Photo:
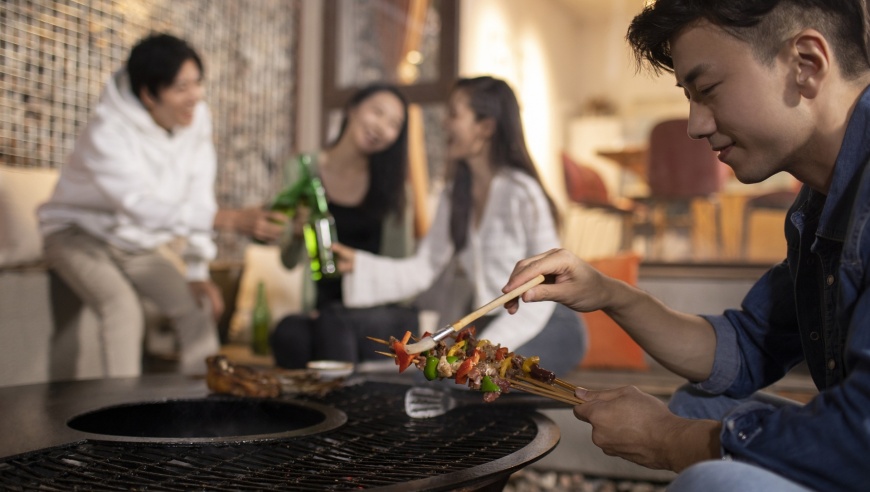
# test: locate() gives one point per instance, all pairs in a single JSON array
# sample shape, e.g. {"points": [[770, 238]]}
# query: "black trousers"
{"points": [[339, 333]]}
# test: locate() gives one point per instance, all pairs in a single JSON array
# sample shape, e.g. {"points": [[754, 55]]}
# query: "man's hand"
{"points": [[638, 427], [569, 281], [208, 290], [344, 257], [684, 343], [263, 225]]}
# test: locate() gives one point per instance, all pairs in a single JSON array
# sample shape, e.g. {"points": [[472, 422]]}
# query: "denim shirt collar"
{"points": [[854, 154]]}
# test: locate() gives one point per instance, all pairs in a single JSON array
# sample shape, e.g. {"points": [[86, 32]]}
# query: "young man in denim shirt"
{"points": [[774, 86]]}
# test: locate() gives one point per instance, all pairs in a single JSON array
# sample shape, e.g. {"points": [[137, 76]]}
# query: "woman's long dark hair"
{"points": [[490, 97], [388, 169]]}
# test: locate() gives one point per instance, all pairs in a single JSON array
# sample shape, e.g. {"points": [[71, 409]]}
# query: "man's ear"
{"points": [[813, 56], [148, 99]]}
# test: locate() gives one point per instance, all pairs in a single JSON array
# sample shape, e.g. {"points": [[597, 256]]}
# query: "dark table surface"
{"points": [[35, 416], [378, 437]]}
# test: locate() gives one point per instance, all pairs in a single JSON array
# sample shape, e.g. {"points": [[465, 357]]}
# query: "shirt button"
{"points": [[832, 364], [830, 280], [814, 335]]}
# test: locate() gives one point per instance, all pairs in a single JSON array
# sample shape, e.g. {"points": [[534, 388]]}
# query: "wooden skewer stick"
{"points": [[557, 382], [538, 389], [549, 387], [536, 382], [565, 396], [386, 353], [378, 340], [567, 385], [553, 395]]}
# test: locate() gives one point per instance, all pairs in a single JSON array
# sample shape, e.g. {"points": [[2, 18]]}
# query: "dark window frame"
{"points": [[334, 97]]}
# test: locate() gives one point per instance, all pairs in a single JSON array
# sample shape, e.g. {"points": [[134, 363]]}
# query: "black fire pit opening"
{"points": [[201, 418]]}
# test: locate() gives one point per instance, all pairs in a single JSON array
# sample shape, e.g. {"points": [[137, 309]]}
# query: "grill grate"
{"points": [[379, 446]]}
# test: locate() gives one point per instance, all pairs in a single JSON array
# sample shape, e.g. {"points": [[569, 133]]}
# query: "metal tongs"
{"points": [[429, 342]]}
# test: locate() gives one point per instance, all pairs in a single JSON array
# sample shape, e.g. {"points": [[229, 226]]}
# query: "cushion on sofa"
{"points": [[283, 288], [22, 190]]}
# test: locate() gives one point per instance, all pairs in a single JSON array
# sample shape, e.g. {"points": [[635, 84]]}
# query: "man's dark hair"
{"points": [[763, 24], [156, 60]]}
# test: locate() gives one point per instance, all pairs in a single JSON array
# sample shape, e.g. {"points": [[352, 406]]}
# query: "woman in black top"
{"points": [[364, 174]]}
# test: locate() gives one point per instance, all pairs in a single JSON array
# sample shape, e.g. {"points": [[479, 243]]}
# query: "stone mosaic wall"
{"points": [[56, 55]]}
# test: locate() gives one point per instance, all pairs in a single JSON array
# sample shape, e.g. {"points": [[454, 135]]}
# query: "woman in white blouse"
{"points": [[494, 213]]}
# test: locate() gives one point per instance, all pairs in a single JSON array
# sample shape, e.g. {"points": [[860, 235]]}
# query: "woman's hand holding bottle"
{"points": [[344, 257], [300, 218]]}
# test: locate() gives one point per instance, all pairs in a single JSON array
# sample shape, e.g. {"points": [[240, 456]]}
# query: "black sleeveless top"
{"points": [[358, 229]]}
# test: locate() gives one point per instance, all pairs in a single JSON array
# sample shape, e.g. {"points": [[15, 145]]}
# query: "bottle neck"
{"points": [[303, 164], [287, 200], [319, 196]]}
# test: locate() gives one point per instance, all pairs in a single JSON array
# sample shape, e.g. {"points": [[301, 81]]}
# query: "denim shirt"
{"points": [[814, 306]]}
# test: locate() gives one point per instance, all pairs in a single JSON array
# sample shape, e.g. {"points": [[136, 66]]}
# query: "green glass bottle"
{"points": [[290, 197], [261, 320], [320, 234]]}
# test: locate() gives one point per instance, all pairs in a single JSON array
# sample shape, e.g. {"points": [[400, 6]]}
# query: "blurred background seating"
{"points": [[587, 192], [775, 204], [684, 178]]}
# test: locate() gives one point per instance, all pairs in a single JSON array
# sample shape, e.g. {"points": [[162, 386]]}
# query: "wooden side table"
{"points": [[632, 159]]}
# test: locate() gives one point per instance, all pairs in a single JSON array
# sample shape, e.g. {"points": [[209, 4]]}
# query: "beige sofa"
{"points": [[46, 334]]}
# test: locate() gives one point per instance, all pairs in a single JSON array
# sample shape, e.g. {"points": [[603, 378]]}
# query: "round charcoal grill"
{"points": [[377, 447]]}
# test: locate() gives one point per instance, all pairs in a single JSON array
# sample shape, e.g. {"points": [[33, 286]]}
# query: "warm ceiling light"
{"points": [[414, 57]]}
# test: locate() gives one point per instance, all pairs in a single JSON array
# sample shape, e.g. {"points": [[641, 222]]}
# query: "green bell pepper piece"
{"points": [[430, 370], [487, 386]]}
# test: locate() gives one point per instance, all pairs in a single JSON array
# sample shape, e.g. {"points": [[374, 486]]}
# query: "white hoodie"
{"points": [[134, 185]]}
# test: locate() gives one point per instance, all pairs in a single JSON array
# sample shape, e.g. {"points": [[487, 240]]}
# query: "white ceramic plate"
{"points": [[331, 369]]}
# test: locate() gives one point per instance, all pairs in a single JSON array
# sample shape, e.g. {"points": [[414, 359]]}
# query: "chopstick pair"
{"points": [[428, 342]]}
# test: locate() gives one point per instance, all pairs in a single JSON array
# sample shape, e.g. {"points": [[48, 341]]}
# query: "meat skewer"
{"points": [[485, 367]]}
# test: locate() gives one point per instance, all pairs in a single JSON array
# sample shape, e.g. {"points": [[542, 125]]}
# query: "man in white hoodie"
{"points": [[141, 175]]}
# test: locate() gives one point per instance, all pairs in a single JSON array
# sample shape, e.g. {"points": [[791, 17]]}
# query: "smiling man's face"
{"points": [[749, 111], [175, 104]]}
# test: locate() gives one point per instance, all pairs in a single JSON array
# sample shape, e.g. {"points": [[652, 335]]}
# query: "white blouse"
{"points": [[515, 225]]}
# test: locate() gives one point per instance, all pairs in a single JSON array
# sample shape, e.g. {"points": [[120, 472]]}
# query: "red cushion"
{"points": [[584, 185], [609, 346], [679, 166]]}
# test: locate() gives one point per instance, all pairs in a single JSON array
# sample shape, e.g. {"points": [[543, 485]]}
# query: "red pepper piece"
{"points": [[466, 333], [403, 359], [466, 366]]}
